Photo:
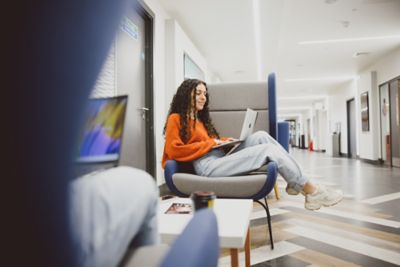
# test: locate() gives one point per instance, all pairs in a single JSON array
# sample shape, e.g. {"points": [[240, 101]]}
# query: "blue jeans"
{"points": [[254, 152], [111, 210]]}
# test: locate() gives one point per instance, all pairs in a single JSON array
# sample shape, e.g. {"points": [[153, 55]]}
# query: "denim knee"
{"points": [[261, 137]]}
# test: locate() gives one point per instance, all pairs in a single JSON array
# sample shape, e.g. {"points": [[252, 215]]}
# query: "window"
{"points": [[191, 70]]}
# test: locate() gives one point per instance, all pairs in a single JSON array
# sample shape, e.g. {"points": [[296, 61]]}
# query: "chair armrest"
{"points": [[272, 174], [172, 167], [198, 245]]}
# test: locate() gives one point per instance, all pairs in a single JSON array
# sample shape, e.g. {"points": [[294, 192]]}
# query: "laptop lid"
{"points": [[100, 141], [247, 128], [248, 124]]}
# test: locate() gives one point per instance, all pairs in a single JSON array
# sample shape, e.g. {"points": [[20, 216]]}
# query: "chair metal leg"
{"points": [[266, 208]]}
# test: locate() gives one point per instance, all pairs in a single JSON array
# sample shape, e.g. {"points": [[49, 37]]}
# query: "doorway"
{"points": [[307, 143], [351, 129], [394, 87], [323, 130], [134, 72], [384, 100], [292, 132]]}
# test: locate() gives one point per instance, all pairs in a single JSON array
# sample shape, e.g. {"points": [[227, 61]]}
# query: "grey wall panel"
{"points": [[237, 96]]}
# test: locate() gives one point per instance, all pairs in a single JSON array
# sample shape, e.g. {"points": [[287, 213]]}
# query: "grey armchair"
{"points": [[227, 107]]}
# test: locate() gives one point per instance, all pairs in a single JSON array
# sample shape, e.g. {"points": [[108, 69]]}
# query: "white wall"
{"points": [[367, 83], [177, 44], [337, 113], [320, 124], [387, 68]]}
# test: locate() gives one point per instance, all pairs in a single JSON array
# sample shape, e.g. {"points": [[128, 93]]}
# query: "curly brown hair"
{"points": [[182, 105]]}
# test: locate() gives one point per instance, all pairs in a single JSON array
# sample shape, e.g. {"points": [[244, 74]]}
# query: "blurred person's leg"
{"points": [[111, 210]]}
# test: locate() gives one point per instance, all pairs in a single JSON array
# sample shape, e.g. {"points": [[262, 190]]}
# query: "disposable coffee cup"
{"points": [[203, 199]]}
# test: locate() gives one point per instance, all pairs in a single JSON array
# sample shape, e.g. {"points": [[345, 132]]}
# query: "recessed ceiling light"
{"points": [[358, 54], [334, 78], [349, 40], [239, 72], [377, 1], [345, 23]]}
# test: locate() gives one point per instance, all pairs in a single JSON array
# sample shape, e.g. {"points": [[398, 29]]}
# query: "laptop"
{"points": [[247, 129], [100, 141]]}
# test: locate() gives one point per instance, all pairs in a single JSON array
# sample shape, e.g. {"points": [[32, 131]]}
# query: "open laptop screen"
{"points": [[101, 136]]}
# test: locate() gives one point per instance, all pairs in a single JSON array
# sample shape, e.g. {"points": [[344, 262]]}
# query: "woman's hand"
{"points": [[219, 141]]}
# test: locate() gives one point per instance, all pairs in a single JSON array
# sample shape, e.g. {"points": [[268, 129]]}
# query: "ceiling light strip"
{"points": [[348, 40], [337, 78], [257, 34], [308, 97]]}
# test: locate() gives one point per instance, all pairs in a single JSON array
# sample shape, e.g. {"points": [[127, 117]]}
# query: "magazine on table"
{"points": [[180, 208]]}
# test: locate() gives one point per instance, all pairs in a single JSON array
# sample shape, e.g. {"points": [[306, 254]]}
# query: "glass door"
{"points": [[386, 155], [395, 121]]}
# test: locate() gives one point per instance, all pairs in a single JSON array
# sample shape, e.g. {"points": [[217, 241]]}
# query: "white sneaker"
{"points": [[323, 197]]}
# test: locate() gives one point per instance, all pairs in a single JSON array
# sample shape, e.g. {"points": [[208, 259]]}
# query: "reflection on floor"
{"points": [[363, 230]]}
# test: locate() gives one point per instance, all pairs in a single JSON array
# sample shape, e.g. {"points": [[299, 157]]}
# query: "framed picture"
{"points": [[364, 112]]}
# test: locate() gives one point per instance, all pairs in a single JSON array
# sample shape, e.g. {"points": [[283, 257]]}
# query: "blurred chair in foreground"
{"points": [[197, 246]]}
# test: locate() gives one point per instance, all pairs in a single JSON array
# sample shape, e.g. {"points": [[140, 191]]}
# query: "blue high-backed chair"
{"points": [[283, 134], [228, 105]]}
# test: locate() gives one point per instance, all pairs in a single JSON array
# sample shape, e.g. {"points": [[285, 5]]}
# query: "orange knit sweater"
{"points": [[198, 145]]}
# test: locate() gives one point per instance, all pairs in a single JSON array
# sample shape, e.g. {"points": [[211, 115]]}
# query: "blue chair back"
{"points": [[283, 134], [198, 245]]}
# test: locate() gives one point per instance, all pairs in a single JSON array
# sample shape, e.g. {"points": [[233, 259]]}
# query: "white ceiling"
{"points": [[244, 40]]}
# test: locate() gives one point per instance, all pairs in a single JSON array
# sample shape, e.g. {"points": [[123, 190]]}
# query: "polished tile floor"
{"points": [[362, 230]]}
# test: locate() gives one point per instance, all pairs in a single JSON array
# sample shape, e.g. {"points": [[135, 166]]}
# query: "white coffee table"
{"points": [[233, 216]]}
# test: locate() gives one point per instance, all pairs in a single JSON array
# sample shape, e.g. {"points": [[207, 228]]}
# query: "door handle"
{"points": [[143, 109]]}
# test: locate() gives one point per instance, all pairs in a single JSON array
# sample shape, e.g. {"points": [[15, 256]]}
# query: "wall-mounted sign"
{"points": [[130, 28]]}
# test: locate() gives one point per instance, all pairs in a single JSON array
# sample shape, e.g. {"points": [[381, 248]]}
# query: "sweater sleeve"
{"points": [[176, 149]]}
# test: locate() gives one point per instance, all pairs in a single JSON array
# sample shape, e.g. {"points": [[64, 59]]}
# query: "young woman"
{"points": [[191, 136]]}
